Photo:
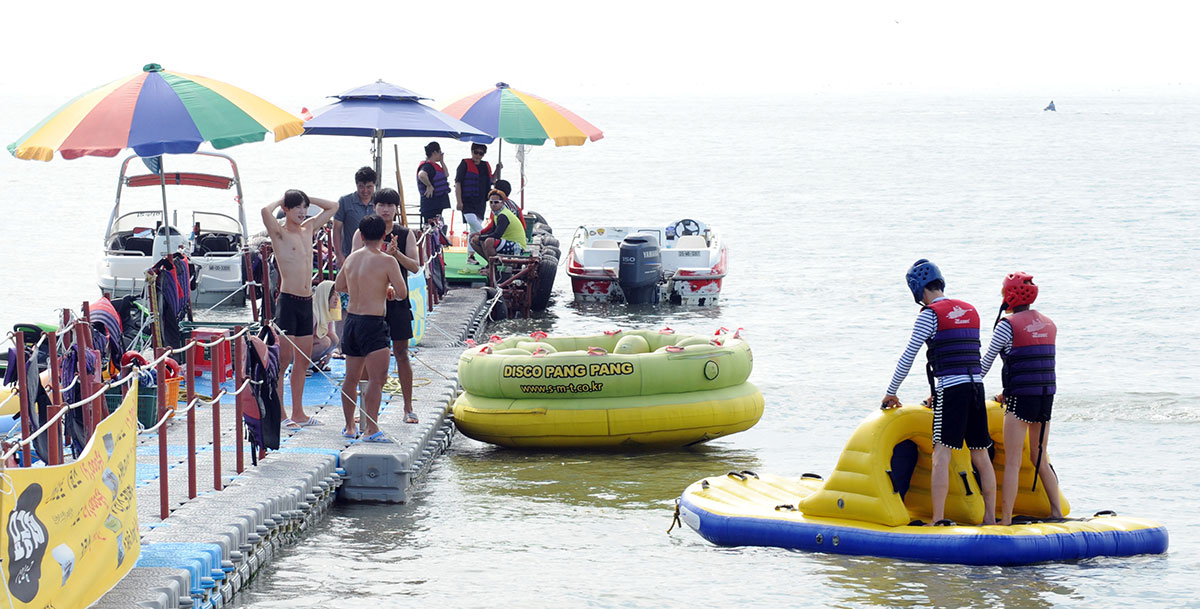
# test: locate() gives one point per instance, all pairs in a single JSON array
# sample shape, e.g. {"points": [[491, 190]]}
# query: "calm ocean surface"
{"points": [[824, 201]]}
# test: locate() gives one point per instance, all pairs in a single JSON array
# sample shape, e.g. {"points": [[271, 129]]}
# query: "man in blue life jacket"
{"points": [[1025, 341], [433, 183], [472, 181], [950, 330]]}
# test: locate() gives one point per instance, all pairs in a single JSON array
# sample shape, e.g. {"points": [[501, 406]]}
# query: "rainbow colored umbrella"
{"points": [[522, 118], [155, 112]]}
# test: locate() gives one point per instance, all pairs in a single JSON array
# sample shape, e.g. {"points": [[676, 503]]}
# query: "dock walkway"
{"points": [[211, 546]]}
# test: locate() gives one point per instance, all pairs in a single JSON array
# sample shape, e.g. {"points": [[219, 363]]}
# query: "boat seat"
{"points": [[691, 242], [216, 244], [606, 244], [138, 244]]}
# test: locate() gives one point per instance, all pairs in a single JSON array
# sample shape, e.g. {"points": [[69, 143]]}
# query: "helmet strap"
{"points": [[1000, 313]]}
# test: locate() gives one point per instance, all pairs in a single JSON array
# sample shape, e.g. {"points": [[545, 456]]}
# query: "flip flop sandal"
{"points": [[352, 436], [411, 417], [377, 438]]}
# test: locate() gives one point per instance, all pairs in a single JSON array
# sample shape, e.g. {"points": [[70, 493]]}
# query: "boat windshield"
{"points": [[138, 222], [215, 223]]}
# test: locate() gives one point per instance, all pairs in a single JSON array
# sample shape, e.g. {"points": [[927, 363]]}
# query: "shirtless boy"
{"points": [[293, 245], [398, 242], [366, 276]]}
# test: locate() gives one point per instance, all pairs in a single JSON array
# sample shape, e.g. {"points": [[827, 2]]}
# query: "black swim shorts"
{"points": [[960, 412], [363, 335], [294, 314], [1030, 408], [399, 318]]}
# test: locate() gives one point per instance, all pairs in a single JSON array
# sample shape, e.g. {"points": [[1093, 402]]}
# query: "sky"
{"points": [[297, 53]]}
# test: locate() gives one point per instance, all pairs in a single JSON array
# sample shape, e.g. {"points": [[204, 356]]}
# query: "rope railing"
{"points": [[64, 409], [133, 374], [196, 401]]}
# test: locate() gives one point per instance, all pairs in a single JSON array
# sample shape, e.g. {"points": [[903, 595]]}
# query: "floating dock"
{"points": [[209, 547]]}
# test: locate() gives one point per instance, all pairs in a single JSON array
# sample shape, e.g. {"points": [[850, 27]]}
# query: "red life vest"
{"points": [[1029, 365], [954, 347]]}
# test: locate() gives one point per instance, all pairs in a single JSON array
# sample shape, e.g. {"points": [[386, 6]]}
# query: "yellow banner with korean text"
{"points": [[71, 531]]}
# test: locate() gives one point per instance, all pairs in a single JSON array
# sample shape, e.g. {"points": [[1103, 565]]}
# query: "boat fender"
{"points": [[535, 346], [596, 351], [631, 344], [131, 357]]}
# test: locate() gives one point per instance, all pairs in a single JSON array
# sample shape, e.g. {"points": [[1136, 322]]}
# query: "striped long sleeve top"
{"points": [[923, 330]]}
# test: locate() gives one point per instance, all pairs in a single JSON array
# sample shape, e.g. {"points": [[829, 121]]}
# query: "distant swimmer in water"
{"points": [[1050, 107]]}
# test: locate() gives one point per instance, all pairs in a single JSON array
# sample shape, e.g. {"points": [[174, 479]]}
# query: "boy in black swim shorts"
{"points": [[368, 275]]}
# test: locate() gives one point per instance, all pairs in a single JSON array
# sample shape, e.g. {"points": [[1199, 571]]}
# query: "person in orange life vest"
{"points": [[434, 185], [1025, 341], [950, 330], [472, 181]]}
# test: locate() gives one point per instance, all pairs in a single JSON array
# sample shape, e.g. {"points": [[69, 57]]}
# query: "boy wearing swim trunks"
{"points": [[400, 243], [950, 330], [367, 276], [292, 243]]}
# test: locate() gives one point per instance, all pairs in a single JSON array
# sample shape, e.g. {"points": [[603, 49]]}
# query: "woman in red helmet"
{"points": [[1025, 341]]}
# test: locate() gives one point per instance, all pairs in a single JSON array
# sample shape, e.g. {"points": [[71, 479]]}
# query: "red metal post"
{"points": [[161, 391], [23, 396], [239, 377], [191, 421], [215, 354], [55, 400], [85, 381], [98, 405]]}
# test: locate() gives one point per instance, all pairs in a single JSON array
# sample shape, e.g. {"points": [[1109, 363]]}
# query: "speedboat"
{"points": [[214, 242], [683, 263]]}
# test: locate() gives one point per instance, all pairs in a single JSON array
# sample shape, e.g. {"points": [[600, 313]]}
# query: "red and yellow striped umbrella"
{"points": [[155, 112]]}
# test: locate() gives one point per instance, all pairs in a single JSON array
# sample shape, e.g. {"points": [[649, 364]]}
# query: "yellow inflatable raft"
{"points": [[859, 509], [621, 388]]}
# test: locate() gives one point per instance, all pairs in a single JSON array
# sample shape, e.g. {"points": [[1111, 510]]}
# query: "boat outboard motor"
{"points": [[640, 269]]}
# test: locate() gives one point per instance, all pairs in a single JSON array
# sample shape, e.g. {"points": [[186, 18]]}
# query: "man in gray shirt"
{"points": [[352, 208]]}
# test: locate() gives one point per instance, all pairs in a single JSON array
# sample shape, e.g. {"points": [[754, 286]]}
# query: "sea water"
{"points": [[823, 201]]}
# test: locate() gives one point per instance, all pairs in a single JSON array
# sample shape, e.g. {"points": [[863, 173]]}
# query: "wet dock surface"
{"points": [[209, 547]]}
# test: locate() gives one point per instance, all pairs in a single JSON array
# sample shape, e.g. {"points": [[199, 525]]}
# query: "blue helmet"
{"points": [[921, 274]]}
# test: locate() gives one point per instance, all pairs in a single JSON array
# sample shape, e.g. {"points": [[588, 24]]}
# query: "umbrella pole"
{"points": [[162, 181], [378, 152], [400, 186]]}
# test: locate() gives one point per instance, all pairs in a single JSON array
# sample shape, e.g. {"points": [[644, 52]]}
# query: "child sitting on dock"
{"points": [[327, 309]]}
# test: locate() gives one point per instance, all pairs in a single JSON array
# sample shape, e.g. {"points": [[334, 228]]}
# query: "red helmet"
{"points": [[1018, 290]]}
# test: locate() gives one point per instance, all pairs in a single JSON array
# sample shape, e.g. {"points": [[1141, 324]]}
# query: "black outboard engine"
{"points": [[640, 269]]}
